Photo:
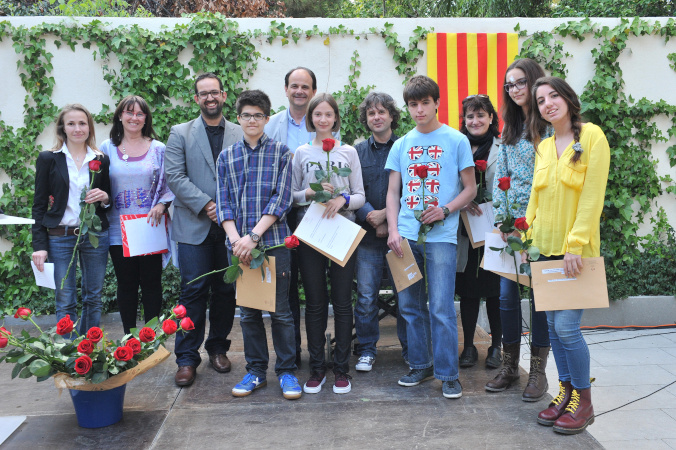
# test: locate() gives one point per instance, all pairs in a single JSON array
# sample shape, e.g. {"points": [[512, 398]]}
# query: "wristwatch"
{"points": [[347, 199], [254, 237], [446, 211]]}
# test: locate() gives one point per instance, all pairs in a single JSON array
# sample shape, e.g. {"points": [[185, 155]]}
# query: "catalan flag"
{"points": [[468, 63]]}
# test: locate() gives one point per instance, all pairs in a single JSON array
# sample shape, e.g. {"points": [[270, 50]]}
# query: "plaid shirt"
{"points": [[254, 182]]}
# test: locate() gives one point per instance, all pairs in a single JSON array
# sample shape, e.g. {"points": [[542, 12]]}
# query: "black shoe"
{"points": [[469, 356], [298, 359], [494, 357]]}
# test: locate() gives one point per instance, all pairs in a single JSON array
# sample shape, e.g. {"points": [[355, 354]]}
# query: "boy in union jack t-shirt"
{"points": [[449, 185]]}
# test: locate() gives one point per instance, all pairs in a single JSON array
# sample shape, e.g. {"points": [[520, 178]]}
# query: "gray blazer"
{"points": [[277, 128], [463, 241], [191, 175]]}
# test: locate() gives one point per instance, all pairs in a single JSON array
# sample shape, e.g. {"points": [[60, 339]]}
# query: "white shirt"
{"points": [[78, 180]]}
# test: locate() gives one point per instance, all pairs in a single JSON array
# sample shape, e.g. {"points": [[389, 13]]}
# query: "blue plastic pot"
{"points": [[96, 409]]}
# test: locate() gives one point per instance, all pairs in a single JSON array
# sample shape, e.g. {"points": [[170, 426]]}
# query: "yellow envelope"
{"points": [[405, 271], [256, 291]]}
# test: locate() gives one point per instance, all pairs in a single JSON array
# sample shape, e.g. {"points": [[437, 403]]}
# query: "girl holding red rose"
{"points": [[62, 173], [472, 283], [513, 180], [569, 186], [348, 196]]}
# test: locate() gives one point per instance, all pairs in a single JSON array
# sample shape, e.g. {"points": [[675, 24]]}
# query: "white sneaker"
{"points": [[365, 363]]}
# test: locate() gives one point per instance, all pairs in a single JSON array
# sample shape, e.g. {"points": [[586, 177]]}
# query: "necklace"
{"points": [[125, 157]]}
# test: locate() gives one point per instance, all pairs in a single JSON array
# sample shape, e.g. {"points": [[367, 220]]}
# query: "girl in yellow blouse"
{"points": [[564, 211]]}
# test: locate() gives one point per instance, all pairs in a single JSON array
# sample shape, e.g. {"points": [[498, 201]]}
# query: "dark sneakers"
{"points": [[417, 376]]}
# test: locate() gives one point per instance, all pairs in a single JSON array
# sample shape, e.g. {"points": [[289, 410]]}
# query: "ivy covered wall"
{"points": [[624, 71]]}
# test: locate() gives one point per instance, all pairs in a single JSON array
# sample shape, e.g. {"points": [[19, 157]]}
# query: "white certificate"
{"points": [[333, 236], [480, 225], [496, 261], [143, 238], [46, 277], [13, 220]]}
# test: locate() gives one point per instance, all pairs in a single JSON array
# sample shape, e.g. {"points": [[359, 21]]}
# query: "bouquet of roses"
{"points": [[90, 223], [324, 175], [93, 357], [509, 224], [258, 255]]}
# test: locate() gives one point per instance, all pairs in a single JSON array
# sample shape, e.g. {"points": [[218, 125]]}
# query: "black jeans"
{"points": [[132, 272], [313, 266], [294, 301], [196, 260]]}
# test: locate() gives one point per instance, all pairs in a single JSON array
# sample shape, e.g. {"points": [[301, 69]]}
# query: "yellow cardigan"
{"points": [[566, 200]]}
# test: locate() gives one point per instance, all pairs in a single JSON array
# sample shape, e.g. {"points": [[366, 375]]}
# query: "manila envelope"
{"points": [[465, 221], [255, 292], [353, 247], [405, 271], [554, 292], [523, 278]]}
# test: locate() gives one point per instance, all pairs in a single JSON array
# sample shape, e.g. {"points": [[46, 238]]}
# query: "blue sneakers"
{"points": [[290, 387], [247, 385]]}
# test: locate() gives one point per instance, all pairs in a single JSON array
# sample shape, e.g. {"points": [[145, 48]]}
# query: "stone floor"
{"points": [[376, 414]]}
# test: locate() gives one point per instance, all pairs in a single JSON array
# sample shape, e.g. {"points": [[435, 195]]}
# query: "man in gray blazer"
{"points": [[190, 167], [288, 127]]}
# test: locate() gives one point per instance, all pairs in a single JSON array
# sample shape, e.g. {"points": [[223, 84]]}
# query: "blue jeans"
{"points": [[93, 266], [432, 333], [510, 316], [370, 266], [283, 338], [196, 260], [569, 347]]}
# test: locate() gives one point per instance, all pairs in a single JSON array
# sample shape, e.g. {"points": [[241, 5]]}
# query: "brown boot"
{"points": [[558, 405], [537, 379], [510, 369], [579, 413]]}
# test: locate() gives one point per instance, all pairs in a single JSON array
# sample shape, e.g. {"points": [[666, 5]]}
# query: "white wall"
{"points": [[80, 79]]}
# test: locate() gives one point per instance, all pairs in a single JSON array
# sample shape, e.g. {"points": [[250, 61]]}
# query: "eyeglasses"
{"points": [[247, 117], [131, 114], [518, 84], [205, 94]]}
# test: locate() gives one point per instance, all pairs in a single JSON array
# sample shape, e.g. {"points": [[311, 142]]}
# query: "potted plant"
{"points": [[93, 367]]}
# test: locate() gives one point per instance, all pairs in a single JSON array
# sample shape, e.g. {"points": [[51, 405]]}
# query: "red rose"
{"points": [[504, 183], [146, 334], [169, 326], [134, 345], [64, 326], [180, 311], [95, 165], [4, 335], [23, 313], [328, 144], [123, 353], [420, 171], [85, 347], [83, 365], [480, 165], [521, 224], [95, 334], [187, 324], [291, 242]]}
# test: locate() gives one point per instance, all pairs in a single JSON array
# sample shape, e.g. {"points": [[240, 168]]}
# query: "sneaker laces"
{"points": [[316, 376], [366, 359], [562, 393], [288, 380], [340, 376], [574, 402]]}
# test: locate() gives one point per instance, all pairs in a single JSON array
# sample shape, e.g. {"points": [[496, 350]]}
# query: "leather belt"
{"points": [[63, 231]]}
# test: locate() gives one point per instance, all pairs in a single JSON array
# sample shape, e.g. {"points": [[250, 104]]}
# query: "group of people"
{"points": [[235, 188]]}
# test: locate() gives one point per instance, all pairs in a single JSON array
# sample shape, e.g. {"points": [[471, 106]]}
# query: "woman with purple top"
{"points": [[138, 186]]}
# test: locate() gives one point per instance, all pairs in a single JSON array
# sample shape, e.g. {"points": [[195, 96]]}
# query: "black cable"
{"points": [[634, 401]]}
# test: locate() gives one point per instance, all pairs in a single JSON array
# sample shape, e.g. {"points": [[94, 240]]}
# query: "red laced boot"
{"points": [[557, 406], [579, 413]]}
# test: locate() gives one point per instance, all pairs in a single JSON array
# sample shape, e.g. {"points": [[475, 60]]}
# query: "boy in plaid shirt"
{"points": [[254, 195]]}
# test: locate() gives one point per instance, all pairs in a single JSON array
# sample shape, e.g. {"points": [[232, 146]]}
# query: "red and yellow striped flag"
{"points": [[468, 63]]}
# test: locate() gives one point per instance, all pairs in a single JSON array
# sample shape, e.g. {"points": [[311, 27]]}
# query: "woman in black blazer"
{"points": [[61, 175]]}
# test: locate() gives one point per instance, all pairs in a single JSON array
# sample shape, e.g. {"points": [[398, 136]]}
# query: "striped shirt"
{"points": [[255, 182]]}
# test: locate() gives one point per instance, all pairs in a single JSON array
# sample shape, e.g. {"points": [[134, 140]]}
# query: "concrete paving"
{"points": [[376, 414]]}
